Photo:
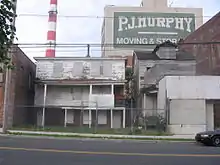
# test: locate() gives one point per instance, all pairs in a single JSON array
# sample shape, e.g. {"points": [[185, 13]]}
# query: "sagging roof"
{"points": [[181, 55]]}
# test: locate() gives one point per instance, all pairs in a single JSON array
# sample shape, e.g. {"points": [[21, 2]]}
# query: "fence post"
{"points": [[132, 116], [96, 117], [81, 115]]}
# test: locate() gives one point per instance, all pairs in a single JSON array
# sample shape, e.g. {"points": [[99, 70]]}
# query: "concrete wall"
{"points": [[193, 87], [75, 68], [189, 110], [107, 33], [187, 116]]}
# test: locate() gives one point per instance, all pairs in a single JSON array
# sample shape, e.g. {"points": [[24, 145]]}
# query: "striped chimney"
{"points": [[51, 34]]}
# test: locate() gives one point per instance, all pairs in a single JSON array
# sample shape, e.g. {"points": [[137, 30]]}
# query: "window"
{"points": [[142, 78], [101, 69], [30, 80]]}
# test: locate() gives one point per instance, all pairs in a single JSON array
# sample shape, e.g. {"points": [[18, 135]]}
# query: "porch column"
{"points": [[123, 118], [90, 118], [90, 89], [65, 117], [111, 118], [44, 103], [112, 89], [144, 104]]}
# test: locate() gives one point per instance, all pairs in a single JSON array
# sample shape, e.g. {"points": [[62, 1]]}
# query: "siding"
{"points": [[74, 96], [75, 69], [159, 70], [143, 64]]}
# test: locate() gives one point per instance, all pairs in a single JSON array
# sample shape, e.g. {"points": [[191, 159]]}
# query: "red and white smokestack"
{"points": [[51, 34]]}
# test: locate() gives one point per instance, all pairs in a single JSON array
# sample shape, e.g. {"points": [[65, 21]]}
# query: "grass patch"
{"points": [[92, 137], [125, 131]]}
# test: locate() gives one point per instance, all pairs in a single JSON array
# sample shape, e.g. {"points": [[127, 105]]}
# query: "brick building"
{"points": [[208, 53], [21, 89]]}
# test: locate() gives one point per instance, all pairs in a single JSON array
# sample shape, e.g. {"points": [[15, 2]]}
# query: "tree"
{"points": [[7, 31], [128, 85]]}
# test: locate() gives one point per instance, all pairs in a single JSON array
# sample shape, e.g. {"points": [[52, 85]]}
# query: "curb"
{"points": [[91, 138], [103, 137]]}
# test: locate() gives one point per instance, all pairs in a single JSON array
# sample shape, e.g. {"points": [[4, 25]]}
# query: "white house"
{"points": [[80, 91]]}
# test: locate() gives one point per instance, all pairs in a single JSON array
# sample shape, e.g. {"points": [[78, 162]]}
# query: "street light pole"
{"points": [[7, 83]]}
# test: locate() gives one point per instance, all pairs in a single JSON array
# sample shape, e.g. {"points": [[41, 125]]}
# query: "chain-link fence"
{"points": [[147, 121], [82, 119]]}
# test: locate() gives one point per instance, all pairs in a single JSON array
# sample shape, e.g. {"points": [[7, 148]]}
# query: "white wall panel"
{"points": [[193, 87]]}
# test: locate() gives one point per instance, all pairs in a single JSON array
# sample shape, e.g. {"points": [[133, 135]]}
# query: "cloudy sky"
{"points": [[32, 21]]}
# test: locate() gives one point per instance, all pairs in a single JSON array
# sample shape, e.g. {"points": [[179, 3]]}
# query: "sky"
{"points": [[32, 24]]}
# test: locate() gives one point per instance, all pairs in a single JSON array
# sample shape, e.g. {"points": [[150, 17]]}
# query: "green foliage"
{"points": [[7, 31], [128, 74], [128, 85]]}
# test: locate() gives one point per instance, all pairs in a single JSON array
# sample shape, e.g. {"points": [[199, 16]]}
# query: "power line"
{"points": [[87, 16], [71, 45]]}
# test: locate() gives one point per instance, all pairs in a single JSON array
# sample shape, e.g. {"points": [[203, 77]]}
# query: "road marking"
{"points": [[108, 153]]}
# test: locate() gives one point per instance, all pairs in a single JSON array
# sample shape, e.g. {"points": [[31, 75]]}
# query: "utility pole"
{"points": [[7, 83]]}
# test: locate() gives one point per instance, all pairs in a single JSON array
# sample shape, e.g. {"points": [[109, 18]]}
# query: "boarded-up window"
{"points": [[86, 119], [102, 117], [70, 116], [95, 68], [77, 69], [57, 69], [107, 69]]}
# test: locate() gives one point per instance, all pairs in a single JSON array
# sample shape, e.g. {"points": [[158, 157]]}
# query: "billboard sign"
{"points": [[136, 30]]}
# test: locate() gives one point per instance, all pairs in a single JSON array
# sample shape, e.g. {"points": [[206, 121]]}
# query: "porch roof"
{"points": [[151, 89], [80, 82], [81, 107]]}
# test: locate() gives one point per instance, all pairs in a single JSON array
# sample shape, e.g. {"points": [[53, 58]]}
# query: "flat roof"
{"points": [[79, 58]]}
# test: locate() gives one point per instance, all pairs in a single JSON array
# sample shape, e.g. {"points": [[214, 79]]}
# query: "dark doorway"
{"points": [[217, 115]]}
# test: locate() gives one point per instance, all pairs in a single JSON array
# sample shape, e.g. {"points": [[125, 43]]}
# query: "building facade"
{"points": [[126, 29], [21, 89], [206, 48], [192, 104], [149, 67], [81, 91]]}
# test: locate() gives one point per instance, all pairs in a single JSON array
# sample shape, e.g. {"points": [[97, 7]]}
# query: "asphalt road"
{"points": [[44, 151]]}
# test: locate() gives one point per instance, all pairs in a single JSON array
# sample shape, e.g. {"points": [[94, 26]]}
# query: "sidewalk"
{"points": [[84, 135]]}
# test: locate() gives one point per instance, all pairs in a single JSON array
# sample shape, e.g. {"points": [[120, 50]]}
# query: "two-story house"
{"points": [[150, 67], [80, 91]]}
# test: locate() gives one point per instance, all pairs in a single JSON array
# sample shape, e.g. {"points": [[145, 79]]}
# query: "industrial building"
{"points": [[205, 46], [126, 29]]}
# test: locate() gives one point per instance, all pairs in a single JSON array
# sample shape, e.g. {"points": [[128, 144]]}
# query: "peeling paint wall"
{"points": [[74, 69], [75, 96]]}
